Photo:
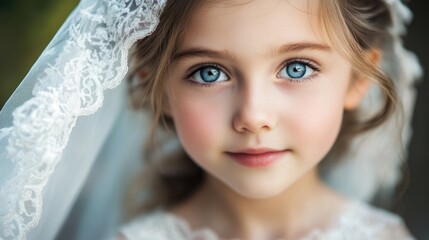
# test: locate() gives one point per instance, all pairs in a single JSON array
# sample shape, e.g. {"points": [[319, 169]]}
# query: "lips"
{"points": [[257, 157]]}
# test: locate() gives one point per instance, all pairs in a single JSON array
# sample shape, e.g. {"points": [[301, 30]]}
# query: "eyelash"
{"points": [[304, 61], [199, 67]]}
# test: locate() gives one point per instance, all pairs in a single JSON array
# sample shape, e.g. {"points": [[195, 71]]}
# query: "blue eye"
{"points": [[209, 74], [297, 70]]}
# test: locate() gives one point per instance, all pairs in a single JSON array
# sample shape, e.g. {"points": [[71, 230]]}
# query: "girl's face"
{"points": [[257, 77]]}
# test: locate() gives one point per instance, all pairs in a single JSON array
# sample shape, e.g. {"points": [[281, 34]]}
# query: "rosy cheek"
{"points": [[315, 126], [197, 124]]}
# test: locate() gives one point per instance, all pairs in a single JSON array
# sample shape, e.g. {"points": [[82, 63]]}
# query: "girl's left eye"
{"points": [[208, 74], [297, 70]]}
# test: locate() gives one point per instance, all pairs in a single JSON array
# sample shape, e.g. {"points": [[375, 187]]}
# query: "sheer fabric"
{"points": [[53, 128]]}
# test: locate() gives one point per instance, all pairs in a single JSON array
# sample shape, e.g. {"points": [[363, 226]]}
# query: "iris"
{"points": [[296, 70], [209, 74]]}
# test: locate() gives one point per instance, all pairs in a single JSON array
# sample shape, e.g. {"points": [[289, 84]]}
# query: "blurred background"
{"points": [[27, 27], [414, 204]]}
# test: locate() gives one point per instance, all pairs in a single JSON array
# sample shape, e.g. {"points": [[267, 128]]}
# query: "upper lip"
{"points": [[257, 150]]}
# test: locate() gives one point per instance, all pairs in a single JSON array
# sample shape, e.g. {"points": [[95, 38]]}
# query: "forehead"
{"points": [[267, 22]]}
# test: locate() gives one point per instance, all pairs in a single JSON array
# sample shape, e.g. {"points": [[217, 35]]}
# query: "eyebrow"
{"points": [[290, 47]]}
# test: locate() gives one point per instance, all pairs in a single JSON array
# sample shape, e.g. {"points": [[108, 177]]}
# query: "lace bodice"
{"points": [[359, 221]]}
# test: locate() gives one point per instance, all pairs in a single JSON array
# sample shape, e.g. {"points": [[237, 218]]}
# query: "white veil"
{"points": [[70, 115], [52, 127]]}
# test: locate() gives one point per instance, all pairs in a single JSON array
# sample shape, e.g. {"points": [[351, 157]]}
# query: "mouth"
{"points": [[258, 157]]}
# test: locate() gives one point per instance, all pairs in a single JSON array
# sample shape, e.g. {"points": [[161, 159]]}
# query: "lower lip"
{"points": [[258, 160]]}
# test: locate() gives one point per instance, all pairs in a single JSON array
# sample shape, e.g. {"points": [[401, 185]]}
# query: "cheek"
{"points": [[315, 125], [198, 125]]}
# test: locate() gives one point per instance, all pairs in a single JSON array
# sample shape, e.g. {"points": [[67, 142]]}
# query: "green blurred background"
{"points": [[27, 27]]}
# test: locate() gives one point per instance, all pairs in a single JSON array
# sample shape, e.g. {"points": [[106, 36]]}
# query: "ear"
{"points": [[139, 77], [360, 85]]}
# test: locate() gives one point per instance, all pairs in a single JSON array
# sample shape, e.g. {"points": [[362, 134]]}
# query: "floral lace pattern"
{"points": [[358, 221], [93, 59]]}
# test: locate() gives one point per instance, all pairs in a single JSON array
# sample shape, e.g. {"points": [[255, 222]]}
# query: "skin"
{"points": [[256, 104]]}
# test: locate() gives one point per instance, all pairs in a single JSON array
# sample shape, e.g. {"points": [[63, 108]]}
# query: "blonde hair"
{"points": [[353, 27], [364, 27]]}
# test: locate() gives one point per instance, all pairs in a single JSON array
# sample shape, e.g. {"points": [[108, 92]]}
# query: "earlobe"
{"points": [[360, 85]]}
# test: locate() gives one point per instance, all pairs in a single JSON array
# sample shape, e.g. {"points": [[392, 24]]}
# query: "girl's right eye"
{"points": [[208, 74]]}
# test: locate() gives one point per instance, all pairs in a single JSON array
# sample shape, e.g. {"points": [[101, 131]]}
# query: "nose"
{"points": [[255, 110]]}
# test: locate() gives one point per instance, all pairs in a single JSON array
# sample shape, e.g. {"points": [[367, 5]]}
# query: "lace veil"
{"points": [[70, 115]]}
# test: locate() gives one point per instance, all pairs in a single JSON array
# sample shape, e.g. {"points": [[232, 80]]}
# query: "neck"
{"points": [[289, 214]]}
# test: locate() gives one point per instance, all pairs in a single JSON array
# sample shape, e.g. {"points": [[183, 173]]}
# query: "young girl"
{"points": [[283, 112], [258, 92]]}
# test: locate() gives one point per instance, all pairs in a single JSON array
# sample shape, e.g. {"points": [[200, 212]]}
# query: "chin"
{"points": [[260, 190]]}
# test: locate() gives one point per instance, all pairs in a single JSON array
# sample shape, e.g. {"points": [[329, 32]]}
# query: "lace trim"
{"points": [[358, 221], [208, 234], [94, 58]]}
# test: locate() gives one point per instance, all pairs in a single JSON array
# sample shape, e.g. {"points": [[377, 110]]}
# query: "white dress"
{"points": [[358, 222]]}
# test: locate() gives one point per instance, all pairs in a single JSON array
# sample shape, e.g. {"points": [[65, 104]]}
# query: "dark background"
{"points": [[27, 27], [414, 205]]}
